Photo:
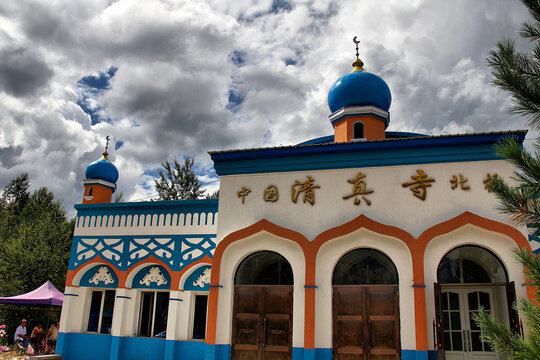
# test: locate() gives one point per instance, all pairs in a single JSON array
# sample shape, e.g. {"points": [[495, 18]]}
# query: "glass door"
{"points": [[462, 337]]}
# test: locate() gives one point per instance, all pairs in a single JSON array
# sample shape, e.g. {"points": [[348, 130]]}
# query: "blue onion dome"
{"points": [[102, 169], [359, 88]]}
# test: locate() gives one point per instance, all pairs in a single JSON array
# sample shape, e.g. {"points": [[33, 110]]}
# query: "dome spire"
{"points": [[357, 64], [105, 153]]}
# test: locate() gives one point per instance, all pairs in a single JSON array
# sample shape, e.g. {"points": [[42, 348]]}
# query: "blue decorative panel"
{"points": [[100, 276], [177, 251], [199, 280], [161, 248], [87, 248], [152, 277]]}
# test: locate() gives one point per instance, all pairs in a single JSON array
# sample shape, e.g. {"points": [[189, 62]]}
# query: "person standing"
{"points": [[52, 335], [20, 334]]}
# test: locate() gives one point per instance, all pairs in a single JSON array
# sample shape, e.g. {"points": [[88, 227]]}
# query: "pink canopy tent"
{"points": [[46, 294]]}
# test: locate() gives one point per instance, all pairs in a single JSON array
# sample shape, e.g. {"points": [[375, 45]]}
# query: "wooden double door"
{"points": [[262, 322], [366, 322]]}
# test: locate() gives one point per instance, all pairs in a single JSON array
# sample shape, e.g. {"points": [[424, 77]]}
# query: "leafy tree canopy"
{"points": [[35, 238]]}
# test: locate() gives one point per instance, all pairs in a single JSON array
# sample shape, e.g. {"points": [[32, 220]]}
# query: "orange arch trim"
{"points": [[461, 220], [416, 246], [262, 225], [97, 260]]}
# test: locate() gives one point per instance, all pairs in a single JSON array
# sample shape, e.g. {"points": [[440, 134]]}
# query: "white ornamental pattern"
{"points": [[203, 279], [154, 275], [102, 275]]}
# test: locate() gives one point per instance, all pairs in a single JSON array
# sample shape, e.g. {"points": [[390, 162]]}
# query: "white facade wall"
{"points": [[391, 203]]}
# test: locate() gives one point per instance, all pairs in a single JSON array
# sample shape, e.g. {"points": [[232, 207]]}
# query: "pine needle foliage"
{"points": [[519, 74], [178, 181], [519, 202], [499, 335]]}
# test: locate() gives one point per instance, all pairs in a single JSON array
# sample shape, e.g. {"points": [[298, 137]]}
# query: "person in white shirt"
{"points": [[20, 334]]}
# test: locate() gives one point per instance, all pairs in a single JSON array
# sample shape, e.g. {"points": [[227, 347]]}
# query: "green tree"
{"points": [[214, 195], [119, 198], [177, 181], [35, 238], [519, 74]]}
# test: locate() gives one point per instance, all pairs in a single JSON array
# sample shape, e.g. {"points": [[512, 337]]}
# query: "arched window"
{"points": [[264, 268], [469, 265], [365, 267], [90, 191], [358, 130]]}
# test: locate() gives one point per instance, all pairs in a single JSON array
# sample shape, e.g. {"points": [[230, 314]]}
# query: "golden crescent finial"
{"points": [[357, 64], [356, 42], [105, 154]]}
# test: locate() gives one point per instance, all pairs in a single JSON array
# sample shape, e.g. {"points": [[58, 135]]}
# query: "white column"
{"points": [[124, 313], [74, 312], [178, 319]]}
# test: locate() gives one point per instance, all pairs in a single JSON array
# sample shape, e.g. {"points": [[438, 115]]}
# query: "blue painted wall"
{"points": [[141, 348], [75, 346], [189, 350]]}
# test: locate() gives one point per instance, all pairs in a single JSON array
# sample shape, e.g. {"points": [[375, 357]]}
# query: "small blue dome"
{"points": [[102, 169], [359, 88]]}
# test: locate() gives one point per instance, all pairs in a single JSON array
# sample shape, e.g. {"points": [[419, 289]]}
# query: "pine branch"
{"points": [[528, 166], [501, 338], [531, 263]]}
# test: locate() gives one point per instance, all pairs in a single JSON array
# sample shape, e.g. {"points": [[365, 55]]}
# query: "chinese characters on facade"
{"points": [[461, 182], [359, 189], [419, 185], [306, 190]]}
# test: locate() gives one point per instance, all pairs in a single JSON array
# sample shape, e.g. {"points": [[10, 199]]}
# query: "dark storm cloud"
{"points": [[9, 156], [22, 71], [192, 77]]}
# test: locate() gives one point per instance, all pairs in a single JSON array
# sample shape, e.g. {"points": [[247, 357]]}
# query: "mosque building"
{"points": [[367, 244]]}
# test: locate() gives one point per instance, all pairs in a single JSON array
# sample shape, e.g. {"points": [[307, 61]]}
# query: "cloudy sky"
{"points": [[175, 78]]}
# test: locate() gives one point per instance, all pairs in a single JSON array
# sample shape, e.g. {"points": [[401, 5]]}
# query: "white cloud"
{"points": [[179, 61]]}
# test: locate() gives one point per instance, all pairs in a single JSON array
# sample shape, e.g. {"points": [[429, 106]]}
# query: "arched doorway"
{"points": [[365, 307], [470, 277], [262, 310]]}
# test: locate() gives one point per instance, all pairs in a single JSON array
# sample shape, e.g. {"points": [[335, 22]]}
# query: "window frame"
{"points": [[194, 295], [354, 138], [101, 310], [154, 293]]}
